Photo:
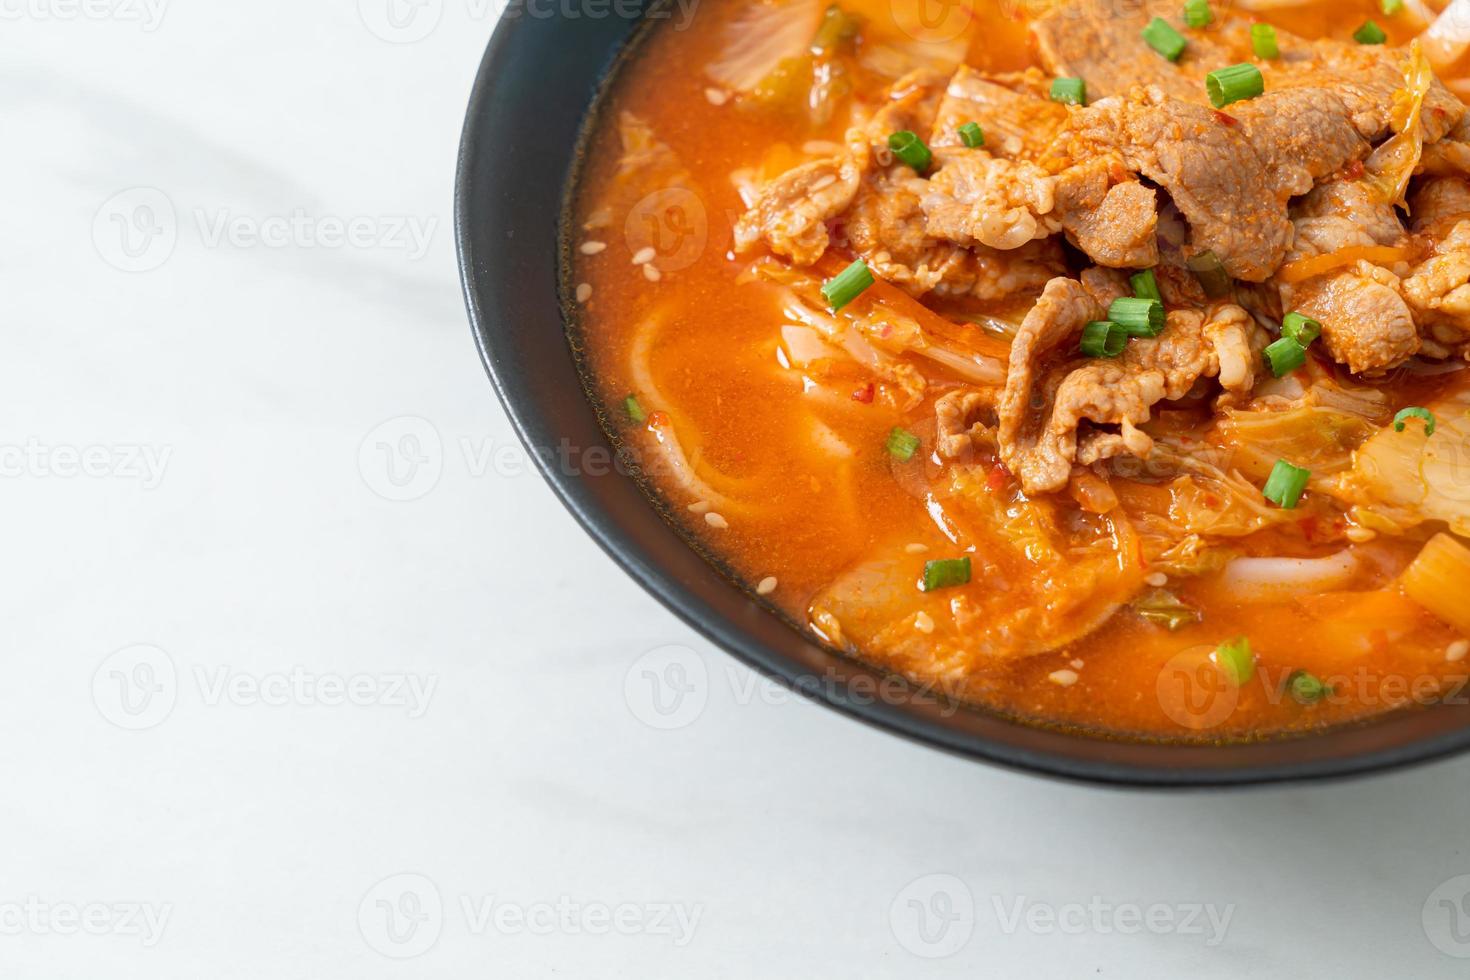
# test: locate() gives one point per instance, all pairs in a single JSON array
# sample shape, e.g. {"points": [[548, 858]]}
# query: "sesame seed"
{"points": [[592, 248], [584, 292], [716, 96], [1063, 678], [1077, 664], [1457, 650], [1359, 534], [651, 273], [924, 623], [916, 549], [1157, 579], [821, 183], [716, 521], [767, 585], [644, 254], [699, 507]]}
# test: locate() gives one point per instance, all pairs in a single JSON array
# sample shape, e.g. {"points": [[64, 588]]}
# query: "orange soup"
{"points": [[1099, 363]]}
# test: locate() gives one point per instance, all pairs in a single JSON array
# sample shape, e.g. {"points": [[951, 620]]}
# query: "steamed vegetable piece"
{"points": [[1392, 164], [1400, 479], [1236, 659], [1438, 580]]}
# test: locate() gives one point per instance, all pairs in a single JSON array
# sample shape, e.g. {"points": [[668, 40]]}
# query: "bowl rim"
{"points": [[533, 430]]}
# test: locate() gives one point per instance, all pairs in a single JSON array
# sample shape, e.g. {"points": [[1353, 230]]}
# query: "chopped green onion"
{"points": [[972, 135], [1232, 84], [1140, 316], [1284, 356], [1145, 285], [1285, 485], [911, 150], [1197, 13], [1101, 338], [635, 411], [945, 573], [1236, 659], [1263, 41], [1369, 33], [1414, 412], [1306, 688], [837, 28], [902, 444], [1163, 608], [1070, 91], [1164, 39], [1210, 272], [847, 285], [1390, 7], [1302, 329]]}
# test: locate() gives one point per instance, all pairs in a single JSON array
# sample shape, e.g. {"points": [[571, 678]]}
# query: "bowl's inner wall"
{"points": [[540, 77]]}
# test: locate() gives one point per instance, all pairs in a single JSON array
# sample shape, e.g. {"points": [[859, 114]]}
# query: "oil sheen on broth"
{"points": [[1139, 562]]}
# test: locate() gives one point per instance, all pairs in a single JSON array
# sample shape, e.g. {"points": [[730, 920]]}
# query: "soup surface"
{"points": [[1018, 349]]}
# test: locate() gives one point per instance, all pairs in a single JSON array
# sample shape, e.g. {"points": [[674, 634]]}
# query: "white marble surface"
{"points": [[195, 507]]}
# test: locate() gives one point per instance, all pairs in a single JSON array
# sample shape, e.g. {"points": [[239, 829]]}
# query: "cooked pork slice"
{"points": [[887, 226], [792, 211], [975, 198], [1209, 168], [1300, 135], [1366, 324], [1115, 223], [1043, 407], [1101, 42], [1013, 111], [911, 105], [961, 416], [1438, 289]]}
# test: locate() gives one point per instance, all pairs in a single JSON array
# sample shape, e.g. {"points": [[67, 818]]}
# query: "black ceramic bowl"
{"points": [[537, 84]]}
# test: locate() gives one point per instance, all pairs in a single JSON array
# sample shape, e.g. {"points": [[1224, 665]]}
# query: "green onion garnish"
{"points": [[1140, 316], [902, 444], [1306, 688], [1164, 39], [847, 285], [1100, 338], [1197, 13], [1236, 659], [1285, 485], [1145, 285], [1210, 272], [1284, 356], [1369, 33], [911, 150], [1069, 91], [945, 573], [1263, 41], [972, 135], [1414, 412], [1390, 7], [1232, 84], [635, 411], [1302, 329]]}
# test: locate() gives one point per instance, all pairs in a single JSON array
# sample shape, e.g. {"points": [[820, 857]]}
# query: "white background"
{"points": [[267, 829]]}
